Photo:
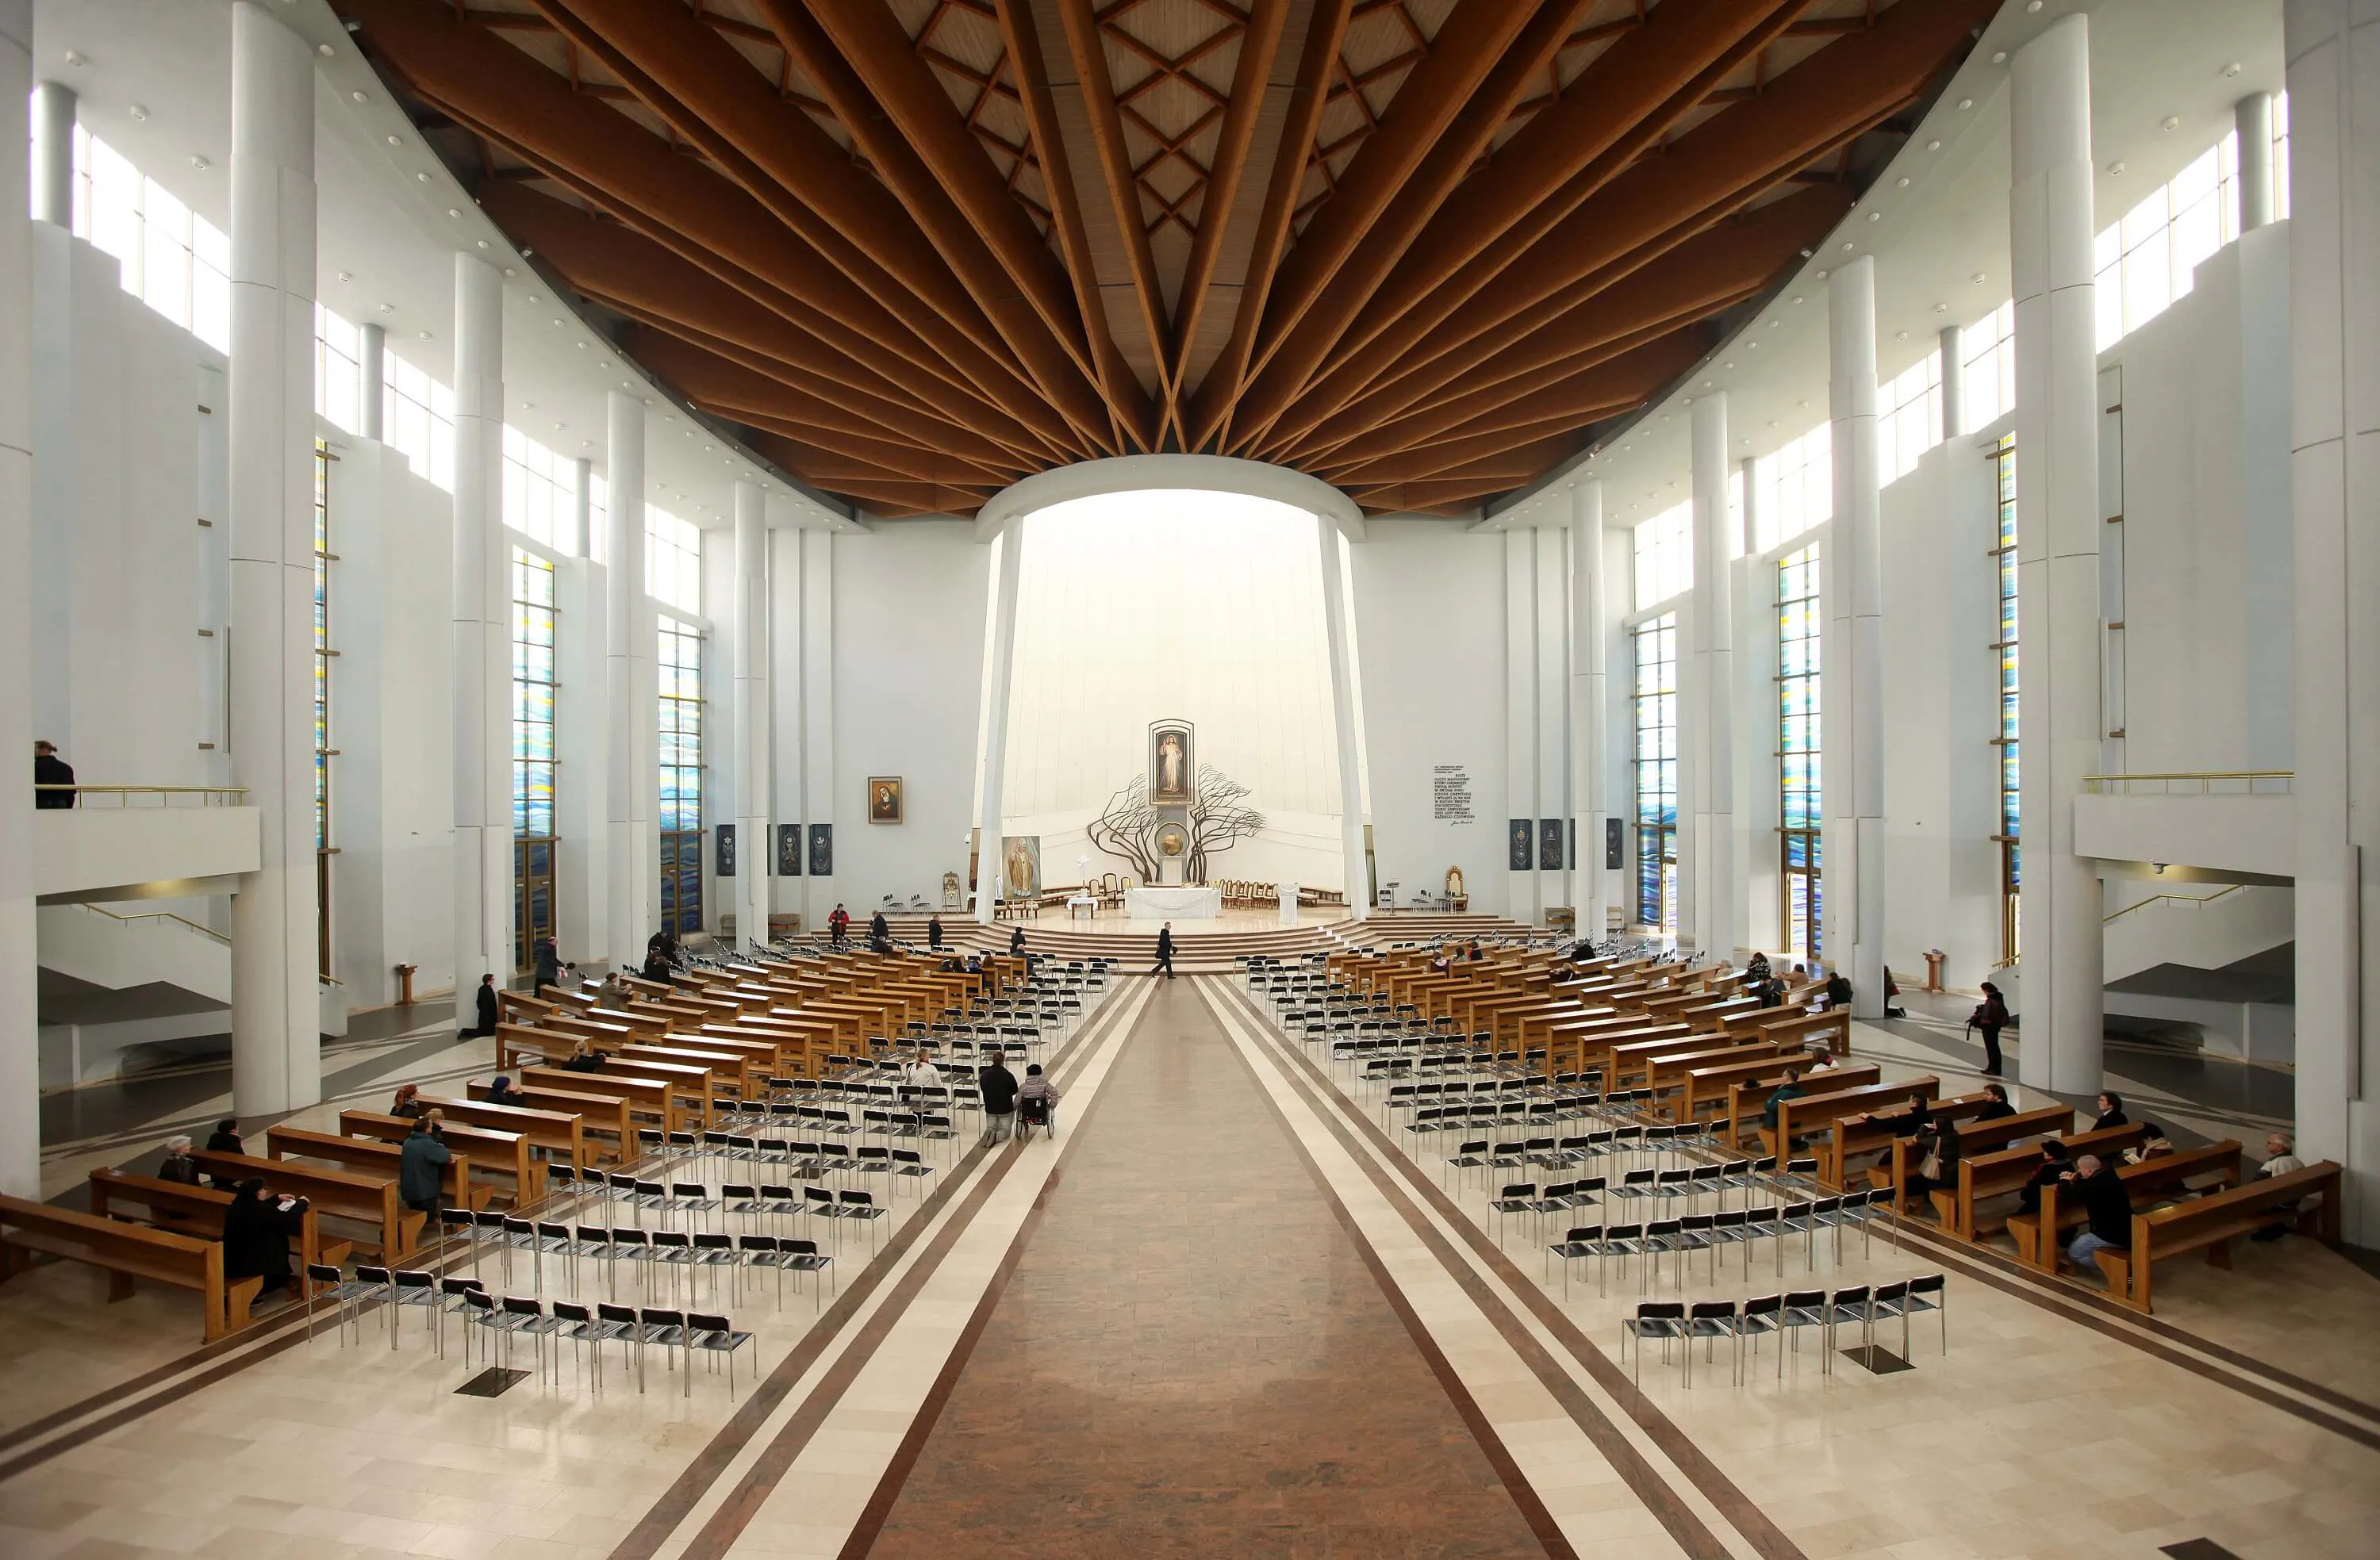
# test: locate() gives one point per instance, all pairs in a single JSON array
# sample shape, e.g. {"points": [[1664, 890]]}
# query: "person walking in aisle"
{"points": [[1164, 965]]}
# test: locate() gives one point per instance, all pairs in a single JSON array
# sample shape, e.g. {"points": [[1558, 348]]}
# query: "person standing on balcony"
{"points": [[51, 769]]}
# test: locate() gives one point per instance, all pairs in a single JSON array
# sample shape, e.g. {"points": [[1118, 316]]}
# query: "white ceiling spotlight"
{"points": [[2170, 121], [360, 97], [137, 111], [76, 57], [2116, 166], [325, 50], [2232, 69], [201, 163]]}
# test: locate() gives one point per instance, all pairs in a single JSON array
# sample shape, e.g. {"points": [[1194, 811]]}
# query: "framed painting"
{"points": [[884, 798], [1549, 844], [1172, 771], [723, 849], [1521, 840], [789, 850], [1020, 857], [822, 850]]}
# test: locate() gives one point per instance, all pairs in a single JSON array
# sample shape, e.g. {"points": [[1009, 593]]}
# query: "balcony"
{"points": [[127, 842]]}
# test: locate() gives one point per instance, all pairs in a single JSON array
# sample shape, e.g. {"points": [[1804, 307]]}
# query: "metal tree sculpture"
{"points": [[1219, 819], [1126, 826]]}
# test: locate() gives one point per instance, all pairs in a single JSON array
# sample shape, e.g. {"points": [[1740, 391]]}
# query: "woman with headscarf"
{"points": [[257, 1229]]}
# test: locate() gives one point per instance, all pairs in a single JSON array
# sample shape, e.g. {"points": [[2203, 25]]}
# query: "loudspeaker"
{"points": [[1611, 861]]}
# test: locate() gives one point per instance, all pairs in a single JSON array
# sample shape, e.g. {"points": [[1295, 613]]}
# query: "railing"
{"points": [[2219, 782], [145, 796], [2177, 898], [161, 915]]}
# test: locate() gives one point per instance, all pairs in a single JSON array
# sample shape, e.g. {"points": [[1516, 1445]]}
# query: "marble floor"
{"points": [[1229, 1309]]}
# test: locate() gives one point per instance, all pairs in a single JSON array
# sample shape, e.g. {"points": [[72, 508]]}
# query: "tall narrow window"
{"points": [[533, 685], [1654, 643], [680, 663], [323, 752], [2011, 876], [1797, 750]]}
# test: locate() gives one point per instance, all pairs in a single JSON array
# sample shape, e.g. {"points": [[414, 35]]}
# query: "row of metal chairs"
{"points": [[1655, 1239], [1855, 1305], [674, 1249]]}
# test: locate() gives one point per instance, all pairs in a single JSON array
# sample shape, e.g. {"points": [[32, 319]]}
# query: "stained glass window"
{"points": [[323, 752], [679, 662], [1655, 647], [1800, 816], [2011, 876], [533, 752]]}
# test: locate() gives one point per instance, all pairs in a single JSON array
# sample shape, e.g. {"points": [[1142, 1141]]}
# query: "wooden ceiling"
{"points": [[920, 248]]}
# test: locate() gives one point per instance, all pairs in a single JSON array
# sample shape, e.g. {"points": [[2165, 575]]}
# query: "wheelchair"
{"points": [[1036, 1111]]}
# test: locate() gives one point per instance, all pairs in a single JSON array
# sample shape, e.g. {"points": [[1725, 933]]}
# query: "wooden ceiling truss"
{"points": [[921, 248]]}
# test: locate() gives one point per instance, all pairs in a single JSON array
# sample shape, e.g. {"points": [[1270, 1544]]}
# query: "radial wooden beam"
{"points": [[841, 474], [635, 275], [1714, 168], [1250, 77], [469, 71], [1650, 77], [1022, 37], [1465, 52], [1326, 30], [1711, 272], [1498, 474], [1306, 337], [865, 68], [1084, 42]]}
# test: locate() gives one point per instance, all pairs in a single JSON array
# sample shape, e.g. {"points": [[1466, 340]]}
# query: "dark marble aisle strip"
{"points": [[1134, 1398], [719, 1530], [1646, 1481], [2159, 1339]]}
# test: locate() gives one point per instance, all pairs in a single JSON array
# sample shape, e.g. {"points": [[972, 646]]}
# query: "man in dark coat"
{"points": [[422, 1168], [51, 769], [998, 1086], [256, 1235], [485, 1008], [1164, 951]]}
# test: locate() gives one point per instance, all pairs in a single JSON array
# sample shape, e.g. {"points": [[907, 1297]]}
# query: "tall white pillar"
{"points": [[1553, 708], [2061, 985], [1758, 800], [1954, 382], [582, 507], [20, 1107], [628, 670], [53, 166], [1851, 693], [1339, 634], [373, 374], [1525, 891], [276, 1002], [483, 814], [755, 743], [2335, 481], [2251, 117], [1589, 625], [995, 730], [1710, 715]]}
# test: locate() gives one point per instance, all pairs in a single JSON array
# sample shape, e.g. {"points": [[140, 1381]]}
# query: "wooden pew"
{"points": [[1632, 1065], [597, 1115], [368, 1157], [1834, 1028], [127, 1251], [1671, 1071], [516, 1046], [361, 1198], [1979, 1137], [1713, 1087], [489, 1149], [1853, 1136], [557, 1132], [2040, 1239], [1807, 1116], [2004, 1173], [638, 1095], [2211, 1223], [197, 1210]]}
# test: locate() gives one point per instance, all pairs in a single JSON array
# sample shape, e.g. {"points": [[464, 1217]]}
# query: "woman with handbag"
{"points": [[1990, 1016]]}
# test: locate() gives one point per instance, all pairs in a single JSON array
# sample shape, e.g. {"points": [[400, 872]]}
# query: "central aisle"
{"points": [[1191, 1357]]}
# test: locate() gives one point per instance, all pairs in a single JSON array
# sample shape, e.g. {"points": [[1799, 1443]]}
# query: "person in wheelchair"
{"points": [[1036, 1104]]}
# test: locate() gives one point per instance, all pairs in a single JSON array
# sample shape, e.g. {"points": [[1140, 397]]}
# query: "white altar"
{"points": [[1173, 904]]}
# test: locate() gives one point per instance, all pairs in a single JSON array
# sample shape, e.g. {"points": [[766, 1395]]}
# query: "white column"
{"points": [[483, 814], [1758, 798], [275, 1002], [1587, 710], [21, 1108], [754, 740], [628, 662], [2061, 987], [995, 730], [2251, 116], [1710, 718], [1852, 692], [1954, 382], [2331, 46], [1338, 632], [52, 167], [1524, 898], [818, 744], [582, 507], [1553, 706], [373, 372]]}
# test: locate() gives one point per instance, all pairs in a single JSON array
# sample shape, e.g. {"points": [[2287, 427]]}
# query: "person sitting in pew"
{"points": [[1998, 1107], [2153, 1142], [226, 1138], [2281, 1158], [583, 1057], [178, 1168], [1935, 1152], [2057, 1164], [408, 1101], [502, 1091], [2106, 1211], [422, 1168], [257, 1227], [1758, 967], [2111, 1111], [1839, 992], [613, 993], [1770, 992], [1789, 1090]]}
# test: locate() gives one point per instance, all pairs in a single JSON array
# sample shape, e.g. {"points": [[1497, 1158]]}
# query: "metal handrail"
{"points": [[2207, 782], [161, 915], [2179, 899], [210, 795]]}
